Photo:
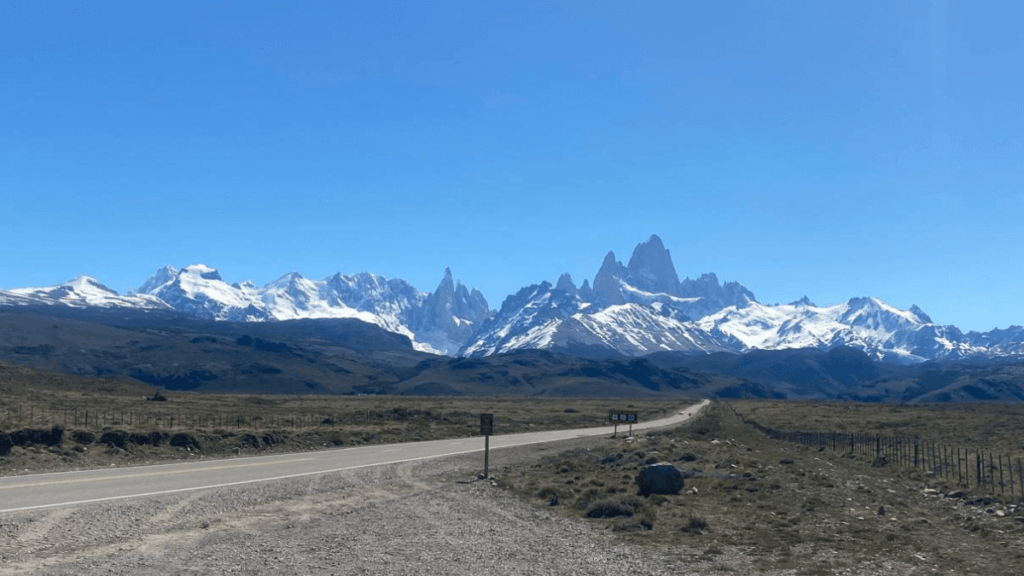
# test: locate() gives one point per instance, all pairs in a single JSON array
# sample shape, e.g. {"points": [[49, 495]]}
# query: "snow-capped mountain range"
{"points": [[630, 310]]}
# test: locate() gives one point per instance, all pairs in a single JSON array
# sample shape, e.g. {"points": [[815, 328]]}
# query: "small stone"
{"points": [[881, 510], [1000, 514]]}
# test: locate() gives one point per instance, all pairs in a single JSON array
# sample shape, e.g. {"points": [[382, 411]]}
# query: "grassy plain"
{"points": [[754, 505], [982, 426], [140, 431]]}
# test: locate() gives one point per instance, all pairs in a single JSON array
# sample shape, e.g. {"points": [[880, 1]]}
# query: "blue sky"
{"points": [[827, 149]]}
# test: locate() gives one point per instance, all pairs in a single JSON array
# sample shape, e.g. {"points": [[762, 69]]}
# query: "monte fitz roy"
{"points": [[629, 310]]}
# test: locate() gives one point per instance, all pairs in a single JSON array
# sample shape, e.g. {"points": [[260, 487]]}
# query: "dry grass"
{"points": [[989, 427], [742, 510], [222, 425]]}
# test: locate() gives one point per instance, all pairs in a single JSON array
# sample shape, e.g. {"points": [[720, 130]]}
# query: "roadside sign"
{"points": [[486, 429], [617, 418], [623, 417]]}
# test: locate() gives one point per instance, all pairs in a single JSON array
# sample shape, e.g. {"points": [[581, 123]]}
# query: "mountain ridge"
{"points": [[630, 310]]}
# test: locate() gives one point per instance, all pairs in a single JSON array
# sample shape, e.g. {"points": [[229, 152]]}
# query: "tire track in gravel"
{"points": [[39, 534]]}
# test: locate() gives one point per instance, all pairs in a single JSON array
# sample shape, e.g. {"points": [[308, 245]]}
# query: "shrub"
{"points": [[547, 492], [613, 507], [696, 524]]}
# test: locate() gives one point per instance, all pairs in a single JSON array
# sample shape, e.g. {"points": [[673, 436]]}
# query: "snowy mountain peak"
{"points": [[288, 279], [88, 284], [82, 292], [203, 271], [163, 276], [924, 318], [805, 301]]}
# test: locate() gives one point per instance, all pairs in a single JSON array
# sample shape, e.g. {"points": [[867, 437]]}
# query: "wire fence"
{"points": [[967, 468], [14, 417]]}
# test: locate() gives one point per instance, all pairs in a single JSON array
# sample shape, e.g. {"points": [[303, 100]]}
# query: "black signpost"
{"points": [[622, 418], [486, 429]]}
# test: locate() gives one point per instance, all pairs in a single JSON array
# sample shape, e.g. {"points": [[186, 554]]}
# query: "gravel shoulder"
{"points": [[422, 517]]}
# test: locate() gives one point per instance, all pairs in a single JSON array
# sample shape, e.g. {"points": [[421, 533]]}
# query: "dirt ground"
{"points": [[749, 505], [753, 505], [432, 517]]}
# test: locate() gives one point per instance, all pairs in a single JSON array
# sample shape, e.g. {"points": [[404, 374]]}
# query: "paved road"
{"points": [[79, 488]]}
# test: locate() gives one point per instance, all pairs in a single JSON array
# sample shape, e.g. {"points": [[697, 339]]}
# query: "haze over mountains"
{"points": [[629, 310]]}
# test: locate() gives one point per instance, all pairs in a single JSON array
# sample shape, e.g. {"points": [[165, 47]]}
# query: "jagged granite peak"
{"points": [[450, 316], [650, 268], [586, 293], [607, 283], [805, 301], [715, 295], [565, 284]]}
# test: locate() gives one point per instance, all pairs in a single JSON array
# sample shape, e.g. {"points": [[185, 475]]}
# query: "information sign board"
{"points": [[486, 424]]}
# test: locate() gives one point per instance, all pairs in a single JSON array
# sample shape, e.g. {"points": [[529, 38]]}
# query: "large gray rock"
{"points": [[659, 478]]}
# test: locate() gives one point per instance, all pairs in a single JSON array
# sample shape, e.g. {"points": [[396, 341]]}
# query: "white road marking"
{"points": [[149, 474], [593, 432]]}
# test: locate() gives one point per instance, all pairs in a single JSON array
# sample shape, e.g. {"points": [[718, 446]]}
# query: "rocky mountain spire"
{"points": [[650, 268], [565, 284], [606, 284]]}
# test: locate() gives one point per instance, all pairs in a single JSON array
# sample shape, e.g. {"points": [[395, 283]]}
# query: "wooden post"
{"points": [[991, 473], [1020, 476], [1001, 484], [917, 443], [977, 458]]}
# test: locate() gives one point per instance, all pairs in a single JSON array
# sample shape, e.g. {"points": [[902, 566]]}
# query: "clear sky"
{"points": [[828, 149]]}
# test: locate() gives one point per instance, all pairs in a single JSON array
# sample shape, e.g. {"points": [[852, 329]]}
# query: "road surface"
{"points": [[18, 493]]}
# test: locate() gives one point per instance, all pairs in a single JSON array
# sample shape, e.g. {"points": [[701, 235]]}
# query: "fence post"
{"points": [[1020, 476], [1001, 484], [991, 473], [959, 474]]}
